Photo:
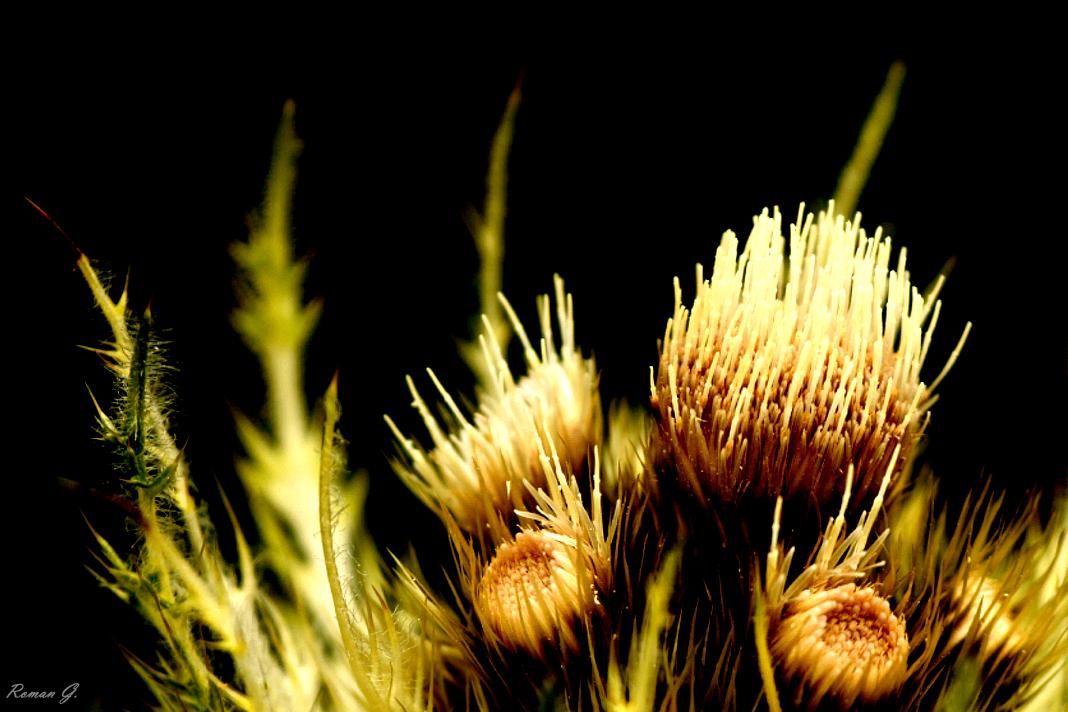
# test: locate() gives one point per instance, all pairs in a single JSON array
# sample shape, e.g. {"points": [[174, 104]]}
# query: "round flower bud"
{"points": [[477, 471], [842, 642], [529, 595]]}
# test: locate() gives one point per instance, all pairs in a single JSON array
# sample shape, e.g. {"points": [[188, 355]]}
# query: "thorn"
{"points": [[126, 505], [54, 224]]}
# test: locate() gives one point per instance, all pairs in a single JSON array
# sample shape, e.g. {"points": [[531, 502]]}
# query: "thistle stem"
{"points": [[855, 174]]}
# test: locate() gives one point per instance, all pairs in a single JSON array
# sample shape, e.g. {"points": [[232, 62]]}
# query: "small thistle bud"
{"points": [[530, 594], [984, 590], [785, 371], [477, 471], [844, 642]]}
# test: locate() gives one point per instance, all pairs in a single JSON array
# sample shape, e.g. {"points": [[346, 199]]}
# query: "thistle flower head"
{"points": [[476, 470], [529, 594], [786, 371], [832, 634], [985, 590], [539, 585], [844, 642]]}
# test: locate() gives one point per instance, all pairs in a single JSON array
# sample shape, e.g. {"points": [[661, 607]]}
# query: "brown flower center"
{"points": [[862, 629], [843, 641]]}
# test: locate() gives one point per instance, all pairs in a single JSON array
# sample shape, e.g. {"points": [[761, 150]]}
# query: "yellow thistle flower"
{"points": [[625, 453], [984, 592], [540, 584], [844, 642], [832, 634], [787, 370], [476, 471]]}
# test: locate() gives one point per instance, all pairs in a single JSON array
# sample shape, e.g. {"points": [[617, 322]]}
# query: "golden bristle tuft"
{"points": [[844, 642], [786, 370], [477, 469]]}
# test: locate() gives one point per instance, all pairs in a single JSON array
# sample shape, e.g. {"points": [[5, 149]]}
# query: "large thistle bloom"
{"points": [[791, 366]]}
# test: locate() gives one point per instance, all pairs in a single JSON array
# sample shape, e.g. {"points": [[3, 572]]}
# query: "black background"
{"points": [[630, 160]]}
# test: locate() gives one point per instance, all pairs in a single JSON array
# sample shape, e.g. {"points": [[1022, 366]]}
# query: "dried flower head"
{"points": [[476, 471], [786, 371], [844, 642], [530, 594]]}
